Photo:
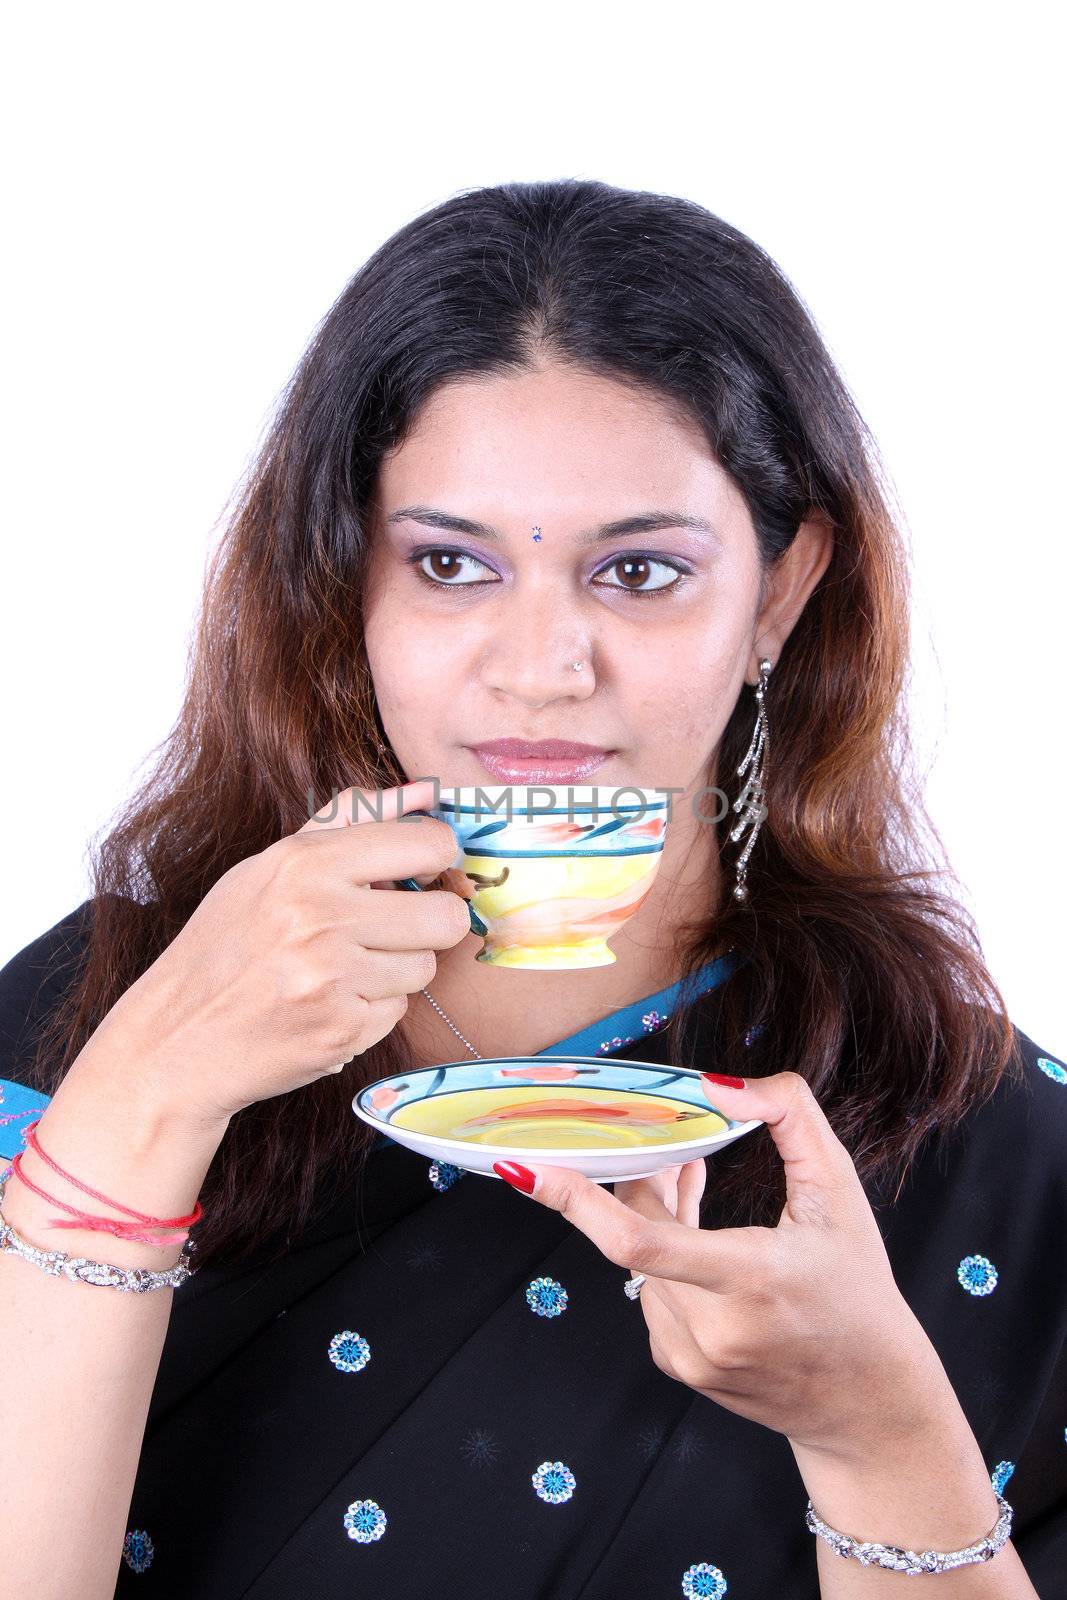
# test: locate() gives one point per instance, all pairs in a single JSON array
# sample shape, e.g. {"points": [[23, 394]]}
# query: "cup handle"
{"points": [[477, 925]]}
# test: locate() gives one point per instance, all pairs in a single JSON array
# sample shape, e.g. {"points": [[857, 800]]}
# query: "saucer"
{"points": [[606, 1117]]}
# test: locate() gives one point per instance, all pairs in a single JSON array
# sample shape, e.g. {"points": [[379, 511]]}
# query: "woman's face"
{"points": [[471, 635]]}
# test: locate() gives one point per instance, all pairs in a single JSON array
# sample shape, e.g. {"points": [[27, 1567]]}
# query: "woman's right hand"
{"points": [[296, 960]]}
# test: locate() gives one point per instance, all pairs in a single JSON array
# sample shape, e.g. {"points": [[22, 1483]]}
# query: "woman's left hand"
{"points": [[800, 1327]]}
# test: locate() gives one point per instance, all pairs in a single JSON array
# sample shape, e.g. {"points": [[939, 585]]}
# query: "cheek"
{"points": [[405, 661], [685, 692], [414, 680]]}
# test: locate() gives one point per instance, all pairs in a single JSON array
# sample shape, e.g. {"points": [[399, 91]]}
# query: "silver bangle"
{"points": [[912, 1561], [79, 1269]]}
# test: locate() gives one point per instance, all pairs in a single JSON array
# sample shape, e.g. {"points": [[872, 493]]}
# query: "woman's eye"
{"points": [[441, 579], [637, 567], [636, 570]]}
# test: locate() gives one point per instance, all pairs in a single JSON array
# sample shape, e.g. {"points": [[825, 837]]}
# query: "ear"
{"points": [[787, 586]]}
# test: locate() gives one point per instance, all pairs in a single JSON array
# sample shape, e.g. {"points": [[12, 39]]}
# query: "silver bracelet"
{"points": [[79, 1269], [912, 1561]]}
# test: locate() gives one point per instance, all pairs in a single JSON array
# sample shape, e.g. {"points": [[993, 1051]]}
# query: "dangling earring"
{"points": [[751, 796]]}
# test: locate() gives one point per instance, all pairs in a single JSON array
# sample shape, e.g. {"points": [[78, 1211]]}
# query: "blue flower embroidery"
{"points": [[687, 1446], [365, 1520], [649, 1441], [426, 1254], [137, 1549], [554, 1482], [547, 1297], [1000, 1475], [349, 1351], [480, 1448], [977, 1275], [651, 1020], [1052, 1069], [443, 1175], [703, 1582]]}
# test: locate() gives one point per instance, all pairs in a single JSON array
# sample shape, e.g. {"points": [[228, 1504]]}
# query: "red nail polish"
{"points": [[514, 1173], [722, 1077]]}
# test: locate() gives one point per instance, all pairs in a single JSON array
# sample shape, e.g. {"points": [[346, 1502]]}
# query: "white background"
{"points": [[187, 190]]}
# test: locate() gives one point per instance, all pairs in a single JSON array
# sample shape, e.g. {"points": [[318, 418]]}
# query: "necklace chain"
{"points": [[443, 1014], [446, 1018]]}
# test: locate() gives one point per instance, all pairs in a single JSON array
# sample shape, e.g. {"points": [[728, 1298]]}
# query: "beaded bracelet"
{"points": [[912, 1561], [105, 1275]]}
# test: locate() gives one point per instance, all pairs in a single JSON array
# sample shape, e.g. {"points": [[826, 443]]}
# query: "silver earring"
{"points": [[750, 801], [576, 666]]}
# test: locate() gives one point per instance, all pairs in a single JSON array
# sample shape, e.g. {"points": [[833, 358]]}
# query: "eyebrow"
{"points": [[645, 522]]}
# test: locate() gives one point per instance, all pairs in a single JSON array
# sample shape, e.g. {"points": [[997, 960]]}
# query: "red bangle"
{"points": [[98, 1224]]}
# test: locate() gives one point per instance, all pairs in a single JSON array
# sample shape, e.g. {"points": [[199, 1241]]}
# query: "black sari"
{"points": [[442, 1390]]}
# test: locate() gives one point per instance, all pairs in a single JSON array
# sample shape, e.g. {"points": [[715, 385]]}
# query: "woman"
{"points": [[608, 420]]}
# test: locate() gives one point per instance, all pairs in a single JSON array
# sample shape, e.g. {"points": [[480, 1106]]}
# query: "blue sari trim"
{"points": [[20, 1106]]}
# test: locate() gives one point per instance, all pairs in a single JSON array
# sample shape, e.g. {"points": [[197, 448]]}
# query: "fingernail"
{"points": [[514, 1173], [723, 1078]]}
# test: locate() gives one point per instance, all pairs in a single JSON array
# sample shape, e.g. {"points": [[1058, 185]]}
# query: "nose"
{"points": [[531, 655]]}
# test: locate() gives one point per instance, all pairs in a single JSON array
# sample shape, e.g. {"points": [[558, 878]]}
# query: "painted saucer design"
{"points": [[611, 1120]]}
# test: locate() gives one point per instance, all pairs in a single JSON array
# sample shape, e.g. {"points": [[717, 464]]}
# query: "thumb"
{"points": [[817, 1165]]}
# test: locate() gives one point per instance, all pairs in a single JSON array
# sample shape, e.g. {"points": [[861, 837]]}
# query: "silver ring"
{"points": [[632, 1286]]}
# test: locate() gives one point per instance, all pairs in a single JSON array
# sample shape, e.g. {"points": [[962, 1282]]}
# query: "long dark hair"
{"points": [[859, 971]]}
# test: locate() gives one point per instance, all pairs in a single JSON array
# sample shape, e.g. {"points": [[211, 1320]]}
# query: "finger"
{"points": [[691, 1183], [655, 1197], [647, 1197], [679, 1188], [818, 1168], [397, 849], [665, 1318], [719, 1259], [671, 1308], [664, 1185], [354, 806]]}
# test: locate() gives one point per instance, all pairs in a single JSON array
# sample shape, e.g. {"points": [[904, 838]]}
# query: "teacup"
{"points": [[556, 869]]}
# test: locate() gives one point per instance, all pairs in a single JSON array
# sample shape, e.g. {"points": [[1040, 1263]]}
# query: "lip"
{"points": [[518, 761], [543, 749]]}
